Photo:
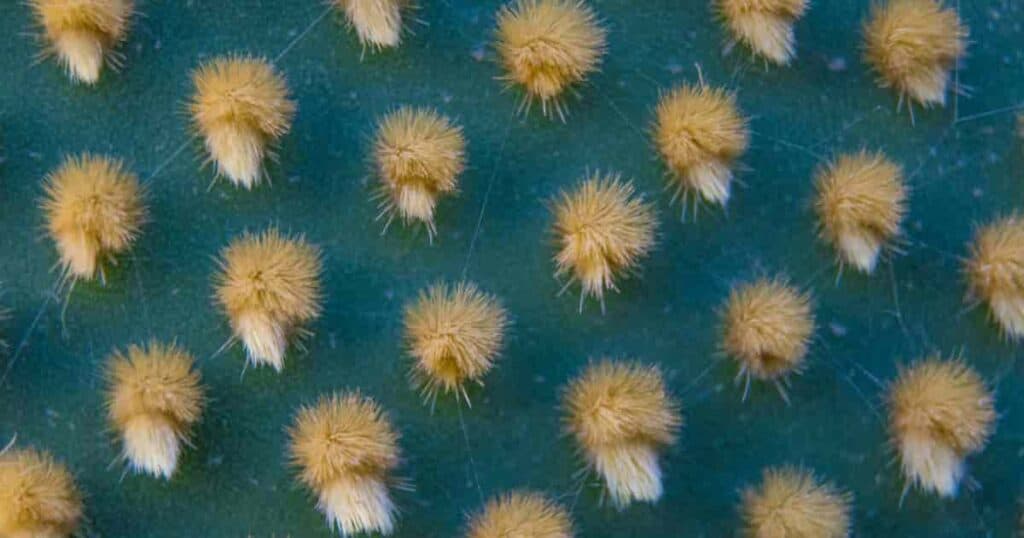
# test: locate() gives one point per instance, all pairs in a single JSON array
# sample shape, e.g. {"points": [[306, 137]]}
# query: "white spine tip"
{"points": [[151, 446], [1008, 309], [82, 53], [237, 151], [631, 473], [712, 180], [358, 504], [932, 465], [860, 251], [265, 340]]}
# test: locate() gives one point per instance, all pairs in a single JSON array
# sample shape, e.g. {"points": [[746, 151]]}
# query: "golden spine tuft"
{"points": [[84, 34], [995, 272], [419, 155], [547, 47], [699, 132], [791, 503], [521, 514], [241, 107], [153, 401], [94, 210], [766, 26], [38, 496], [269, 287], [621, 416], [913, 45], [861, 203], [940, 412], [378, 23], [345, 449], [454, 334]]}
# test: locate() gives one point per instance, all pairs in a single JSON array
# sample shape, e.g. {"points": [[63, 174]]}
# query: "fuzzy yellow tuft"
{"points": [[94, 210], [699, 132], [767, 327], [792, 503], [269, 287], [860, 205], [548, 46], [346, 448], [38, 496], [521, 515], [153, 402], [913, 45], [995, 272], [242, 108], [940, 412], [84, 34], [766, 26], [454, 334], [621, 415], [602, 231], [419, 155], [378, 23]]}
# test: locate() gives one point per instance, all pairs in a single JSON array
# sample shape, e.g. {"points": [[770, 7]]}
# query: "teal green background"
{"points": [[236, 481]]}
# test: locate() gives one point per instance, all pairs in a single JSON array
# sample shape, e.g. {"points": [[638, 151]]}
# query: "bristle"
{"points": [[454, 334], [94, 210], [83, 34], [521, 515], [38, 496], [242, 108], [346, 449], [548, 46], [419, 155], [860, 205], [995, 273], [699, 132], [792, 503], [766, 26], [153, 402], [913, 45], [269, 287], [767, 327], [378, 23], [621, 416], [602, 231], [940, 412]]}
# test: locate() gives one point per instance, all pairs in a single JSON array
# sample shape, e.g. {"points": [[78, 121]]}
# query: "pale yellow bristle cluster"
{"points": [[345, 449], [913, 45], [241, 107], [767, 328], [454, 333], [602, 231], [153, 401], [792, 503], [700, 132], [547, 47], [378, 23], [766, 26], [84, 34], [38, 496], [861, 203], [940, 412], [621, 416], [995, 272], [269, 286], [419, 155], [94, 210], [521, 515]]}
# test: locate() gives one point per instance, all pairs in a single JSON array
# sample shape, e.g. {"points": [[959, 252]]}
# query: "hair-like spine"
{"points": [[995, 272], [241, 107], [913, 45], [94, 210], [602, 232], [940, 412], [521, 514], [153, 401], [38, 496], [454, 334], [84, 34], [699, 132], [418, 155], [791, 502], [860, 203], [345, 449], [621, 415], [269, 287], [766, 26], [547, 47], [378, 23]]}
